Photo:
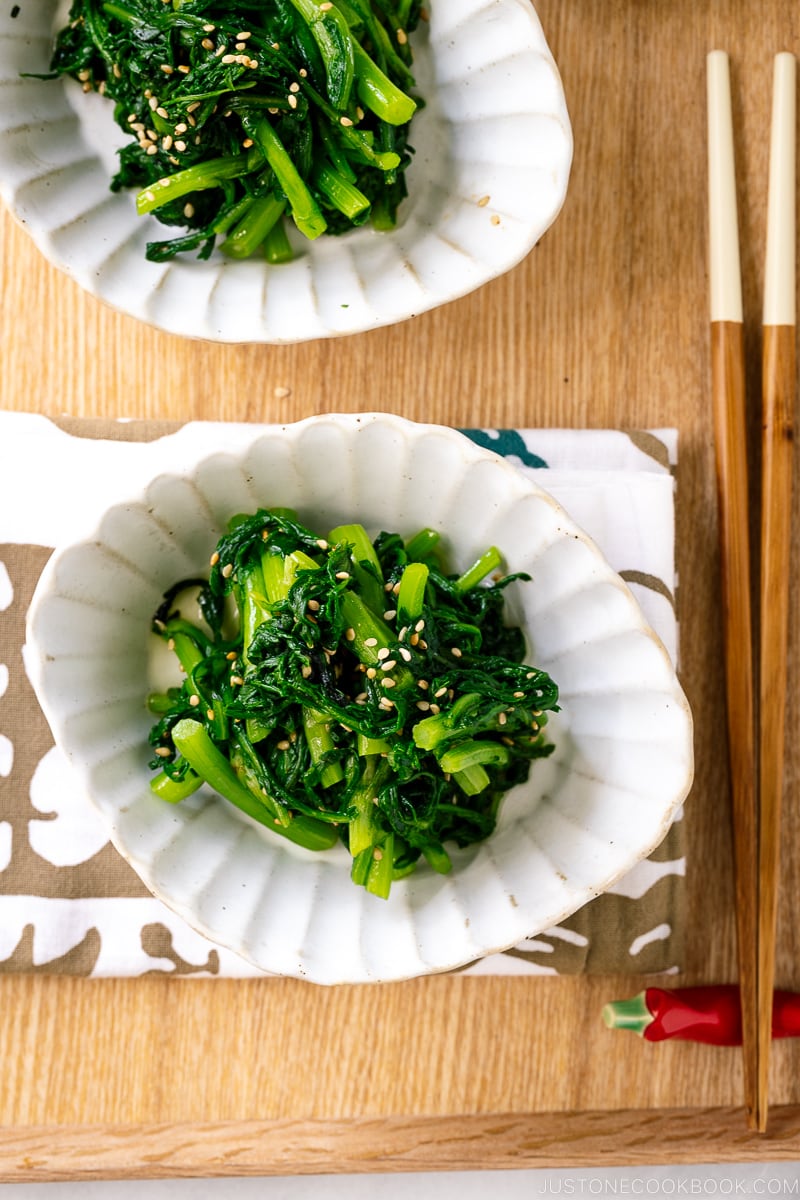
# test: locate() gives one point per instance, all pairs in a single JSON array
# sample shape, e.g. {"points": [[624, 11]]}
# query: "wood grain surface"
{"points": [[605, 324]]}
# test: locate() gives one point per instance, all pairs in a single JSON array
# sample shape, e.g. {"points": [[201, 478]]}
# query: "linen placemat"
{"points": [[69, 903]]}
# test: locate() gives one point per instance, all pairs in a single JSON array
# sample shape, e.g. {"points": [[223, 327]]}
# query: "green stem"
{"points": [[192, 179], [343, 194], [175, 790], [630, 1014], [411, 596], [317, 728], [305, 211], [254, 226], [208, 761], [489, 561], [378, 93]]}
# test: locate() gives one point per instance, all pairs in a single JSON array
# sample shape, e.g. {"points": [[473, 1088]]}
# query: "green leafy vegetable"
{"points": [[366, 694], [243, 113]]}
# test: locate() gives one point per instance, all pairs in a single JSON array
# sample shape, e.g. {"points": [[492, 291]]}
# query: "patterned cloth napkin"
{"points": [[69, 904]]}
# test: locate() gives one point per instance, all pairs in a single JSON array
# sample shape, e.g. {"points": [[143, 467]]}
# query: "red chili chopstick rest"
{"points": [[698, 1014]]}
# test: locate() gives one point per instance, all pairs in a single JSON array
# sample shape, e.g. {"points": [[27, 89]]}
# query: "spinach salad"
{"points": [[343, 689], [243, 114]]}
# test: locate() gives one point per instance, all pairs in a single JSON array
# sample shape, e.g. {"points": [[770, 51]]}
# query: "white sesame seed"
{"points": [[402, 37], [389, 664], [227, 570], [210, 714], [166, 142], [326, 7], [383, 652], [420, 625], [377, 853], [440, 692], [314, 605], [423, 705], [350, 634], [390, 614], [323, 545], [207, 44], [435, 709], [501, 718], [240, 46], [456, 653], [227, 59], [180, 146], [371, 672], [184, 69], [423, 683], [167, 69], [163, 751], [305, 671], [243, 35], [388, 683], [518, 695], [151, 149], [292, 101], [342, 574], [150, 195], [247, 143], [83, 76], [236, 681], [370, 641], [294, 87], [221, 50], [303, 73], [209, 28], [405, 654], [194, 701], [345, 121], [193, 106], [153, 102], [283, 745], [495, 219], [162, 112]]}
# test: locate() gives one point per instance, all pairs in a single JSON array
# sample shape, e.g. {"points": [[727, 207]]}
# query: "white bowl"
{"points": [[495, 125], [623, 759]]}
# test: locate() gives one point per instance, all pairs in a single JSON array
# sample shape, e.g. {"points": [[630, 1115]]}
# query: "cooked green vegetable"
{"points": [[366, 694], [243, 113]]}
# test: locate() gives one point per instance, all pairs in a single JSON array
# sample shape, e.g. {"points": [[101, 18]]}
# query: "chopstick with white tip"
{"points": [[728, 397], [778, 405]]}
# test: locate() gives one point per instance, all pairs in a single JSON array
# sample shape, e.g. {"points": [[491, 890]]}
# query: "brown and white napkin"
{"points": [[69, 904]]}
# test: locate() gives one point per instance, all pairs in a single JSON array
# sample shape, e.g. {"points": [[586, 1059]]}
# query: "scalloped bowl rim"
{"points": [[36, 665]]}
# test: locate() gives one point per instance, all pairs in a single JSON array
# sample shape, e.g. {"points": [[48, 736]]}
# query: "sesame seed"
{"points": [[162, 112], [303, 73], [423, 645], [240, 46], [180, 146], [188, 210], [294, 87], [180, 128], [247, 143], [350, 634], [244, 35], [377, 853], [420, 625], [387, 587], [184, 69], [518, 695], [194, 701], [326, 7], [383, 652], [370, 641], [166, 142], [402, 633], [342, 574], [231, 656], [385, 703], [314, 605], [360, 112], [83, 76], [193, 106], [207, 44], [209, 28], [117, 71], [227, 570], [167, 69], [435, 709], [163, 751], [345, 121], [292, 101], [388, 683], [236, 681], [501, 718], [495, 219], [440, 692], [389, 664], [323, 545], [402, 37], [283, 745], [151, 195], [87, 87], [423, 683], [210, 714], [221, 50], [390, 614], [396, 589], [253, 64], [153, 102], [456, 653], [405, 654], [151, 149], [227, 59], [371, 672], [423, 705], [305, 671]]}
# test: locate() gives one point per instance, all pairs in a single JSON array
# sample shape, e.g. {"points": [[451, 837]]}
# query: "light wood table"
{"points": [[605, 324]]}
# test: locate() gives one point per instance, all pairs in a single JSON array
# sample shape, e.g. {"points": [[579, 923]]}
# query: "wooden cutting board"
{"points": [[605, 324]]}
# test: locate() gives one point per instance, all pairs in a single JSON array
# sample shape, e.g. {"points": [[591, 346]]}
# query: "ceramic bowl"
{"points": [[495, 126], [623, 759]]}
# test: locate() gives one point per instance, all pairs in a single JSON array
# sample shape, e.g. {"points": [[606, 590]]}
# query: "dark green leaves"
{"points": [[317, 94], [367, 691]]}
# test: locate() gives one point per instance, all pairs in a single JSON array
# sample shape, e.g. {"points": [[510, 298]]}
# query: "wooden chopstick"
{"points": [[778, 405], [728, 396]]}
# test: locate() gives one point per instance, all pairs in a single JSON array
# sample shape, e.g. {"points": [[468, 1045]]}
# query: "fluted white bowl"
{"points": [[623, 759], [495, 125]]}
